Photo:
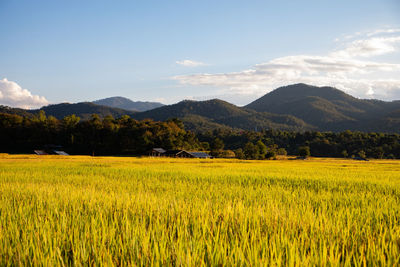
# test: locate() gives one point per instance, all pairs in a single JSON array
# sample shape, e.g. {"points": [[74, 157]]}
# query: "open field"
{"points": [[81, 210]]}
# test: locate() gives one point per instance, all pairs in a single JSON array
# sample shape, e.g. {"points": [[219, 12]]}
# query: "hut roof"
{"points": [[159, 150], [199, 154]]}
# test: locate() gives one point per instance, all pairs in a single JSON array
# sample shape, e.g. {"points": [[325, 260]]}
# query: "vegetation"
{"points": [[297, 107], [329, 109], [127, 136], [200, 116], [321, 144], [125, 103], [119, 211], [96, 136], [304, 151]]}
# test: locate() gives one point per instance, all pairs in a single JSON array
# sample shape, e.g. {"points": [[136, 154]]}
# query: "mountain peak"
{"points": [[126, 103], [327, 107]]}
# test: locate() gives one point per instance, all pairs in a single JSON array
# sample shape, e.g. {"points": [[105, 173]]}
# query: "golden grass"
{"points": [[80, 210]]}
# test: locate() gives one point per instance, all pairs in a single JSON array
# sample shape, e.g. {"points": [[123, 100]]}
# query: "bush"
{"points": [[239, 154], [270, 154], [282, 152], [304, 151]]}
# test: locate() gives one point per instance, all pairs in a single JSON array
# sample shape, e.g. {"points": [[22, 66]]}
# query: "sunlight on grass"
{"points": [[147, 211]]}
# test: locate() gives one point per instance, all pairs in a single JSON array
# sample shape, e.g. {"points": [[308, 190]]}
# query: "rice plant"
{"points": [[60, 211]]}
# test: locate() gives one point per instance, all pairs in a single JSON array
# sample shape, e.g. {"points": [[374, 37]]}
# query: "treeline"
{"points": [[127, 136], [269, 143], [95, 136]]}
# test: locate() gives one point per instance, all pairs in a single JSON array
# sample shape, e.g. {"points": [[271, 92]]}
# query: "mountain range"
{"points": [[297, 107], [126, 103]]}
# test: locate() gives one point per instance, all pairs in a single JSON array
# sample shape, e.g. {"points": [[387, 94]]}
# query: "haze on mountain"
{"points": [[126, 103]]}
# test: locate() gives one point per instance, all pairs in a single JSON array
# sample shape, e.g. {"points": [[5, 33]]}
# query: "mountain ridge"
{"points": [[127, 104], [298, 107], [326, 107]]}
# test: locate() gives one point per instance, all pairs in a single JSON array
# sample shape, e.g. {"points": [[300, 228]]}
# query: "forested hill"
{"points": [[330, 109], [212, 114], [125, 103], [298, 107], [84, 110]]}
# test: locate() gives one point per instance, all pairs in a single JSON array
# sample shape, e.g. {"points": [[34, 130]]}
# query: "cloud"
{"points": [[370, 47], [11, 94], [383, 31], [190, 63], [344, 68]]}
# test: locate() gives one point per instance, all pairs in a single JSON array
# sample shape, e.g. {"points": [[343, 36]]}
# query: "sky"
{"points": [[168, 51]]}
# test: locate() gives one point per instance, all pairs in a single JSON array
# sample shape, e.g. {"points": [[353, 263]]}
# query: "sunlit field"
{"points": [[74, 210]]}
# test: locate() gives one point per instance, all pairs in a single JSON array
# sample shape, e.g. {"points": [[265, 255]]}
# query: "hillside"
{"points": [[84, 110], [126, 103], [297, 107], [16, 111], [327, 108], [210, 114]]}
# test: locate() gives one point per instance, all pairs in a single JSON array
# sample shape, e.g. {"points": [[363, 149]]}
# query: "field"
{"points": [[58, 210]]}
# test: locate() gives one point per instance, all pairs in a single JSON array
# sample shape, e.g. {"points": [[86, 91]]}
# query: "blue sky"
{"points": [[57, 51]]}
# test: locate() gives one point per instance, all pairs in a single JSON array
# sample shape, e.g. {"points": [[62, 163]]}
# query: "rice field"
{"points": [[61, 211]]}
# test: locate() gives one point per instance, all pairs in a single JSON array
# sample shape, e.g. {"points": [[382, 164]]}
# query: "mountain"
{"points": [[328, 108], [211, 114], [16, 111], [125, 103], [298, 107], [83, 110]]}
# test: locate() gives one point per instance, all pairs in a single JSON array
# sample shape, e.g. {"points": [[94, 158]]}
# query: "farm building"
{"points": [[157, 152], [192, 154], [51, 150], [160, 152], [40, 152], [200, 155]]}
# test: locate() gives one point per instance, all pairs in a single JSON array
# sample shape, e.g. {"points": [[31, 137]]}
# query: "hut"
{"points": [[157, 152], [160, 152], [192, 154], [51, 150], [200, 155]]}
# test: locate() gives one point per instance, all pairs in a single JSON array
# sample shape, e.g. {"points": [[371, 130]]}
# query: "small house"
{"points": [[200, 155], [157, 152], [40, 152], [160, 152]]}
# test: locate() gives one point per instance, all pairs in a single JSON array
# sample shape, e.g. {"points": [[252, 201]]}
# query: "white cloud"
{"points": [[190, 63], [344, 69], [369, 47], [11, 94], [383, 31]]}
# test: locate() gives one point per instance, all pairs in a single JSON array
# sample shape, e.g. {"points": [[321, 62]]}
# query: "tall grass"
{"points": [[120, 211]]}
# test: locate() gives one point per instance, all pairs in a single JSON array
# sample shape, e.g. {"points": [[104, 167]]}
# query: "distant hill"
{"points": [[17, 111], [297, 107], [125, 103], [83, 110], [211, 114], [327, 108]]}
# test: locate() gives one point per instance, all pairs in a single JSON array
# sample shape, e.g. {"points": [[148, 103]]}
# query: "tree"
{"points": [[251, 151], [239, 153], [281, 151], [362, 154], [205, 146], [304, 151], [217, 144], [271, 154], [262, 149]]}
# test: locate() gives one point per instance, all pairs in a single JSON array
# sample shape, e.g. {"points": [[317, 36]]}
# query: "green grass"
{"points": [[119, 211]]}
